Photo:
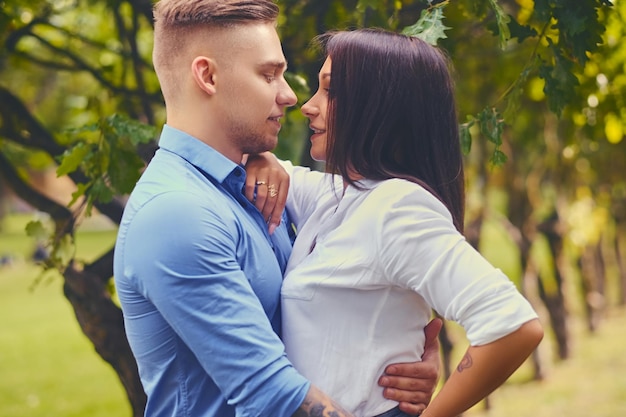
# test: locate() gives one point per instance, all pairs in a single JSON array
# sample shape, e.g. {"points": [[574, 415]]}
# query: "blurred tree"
{"points": [[78, 92], [530, 107]]}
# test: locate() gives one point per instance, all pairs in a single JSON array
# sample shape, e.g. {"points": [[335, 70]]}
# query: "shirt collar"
{"points": [[198, 153]]}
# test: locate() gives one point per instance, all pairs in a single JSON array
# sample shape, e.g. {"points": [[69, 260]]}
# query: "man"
{"points": [[197, 271]]}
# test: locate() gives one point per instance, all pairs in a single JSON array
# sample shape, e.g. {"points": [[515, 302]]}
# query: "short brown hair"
{"points": [[176, 22], [183, 13]]}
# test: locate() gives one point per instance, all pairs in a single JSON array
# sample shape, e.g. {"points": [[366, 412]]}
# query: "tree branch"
{"points": [[63, 218]]}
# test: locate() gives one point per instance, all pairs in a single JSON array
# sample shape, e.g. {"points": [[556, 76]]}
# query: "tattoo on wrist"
{"points": [[320, 408], [465, 363]]}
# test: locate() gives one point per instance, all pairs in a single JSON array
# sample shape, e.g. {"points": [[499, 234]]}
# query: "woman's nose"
{"points": [[309, 110]]}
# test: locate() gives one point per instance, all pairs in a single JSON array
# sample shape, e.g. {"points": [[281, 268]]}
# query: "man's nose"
{"points": [[286, 95]]}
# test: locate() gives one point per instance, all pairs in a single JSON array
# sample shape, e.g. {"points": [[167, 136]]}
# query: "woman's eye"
{"points": [[270, 78]]}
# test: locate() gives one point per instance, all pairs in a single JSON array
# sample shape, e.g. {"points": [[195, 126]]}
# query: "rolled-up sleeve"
{"points": [[422, 250]]}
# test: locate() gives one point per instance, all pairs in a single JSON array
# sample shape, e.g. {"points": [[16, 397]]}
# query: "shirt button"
{"points": [[237, 173]]}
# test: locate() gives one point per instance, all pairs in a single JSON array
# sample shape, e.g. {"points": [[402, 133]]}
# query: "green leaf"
{"points": [[574, 23], [63, 251], [543, 10], [491, 125], [91, 127], [520, 32], [561, 83], [130, 129], [72, 158], [124, 170], [465, 136], [429, 27], [498, 158], [100, 191], [81, 189], [36, 230], [502, 20]]}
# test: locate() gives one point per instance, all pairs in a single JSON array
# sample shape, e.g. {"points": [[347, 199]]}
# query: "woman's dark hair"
{"points": [[392, 113]]}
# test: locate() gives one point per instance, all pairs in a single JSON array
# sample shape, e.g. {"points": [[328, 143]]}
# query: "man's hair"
{"points": [[187, 13], [176, 22], [392, 113]]}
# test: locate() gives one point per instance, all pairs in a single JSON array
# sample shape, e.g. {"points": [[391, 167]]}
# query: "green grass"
{"points": [[48, 368], [591, 383]]}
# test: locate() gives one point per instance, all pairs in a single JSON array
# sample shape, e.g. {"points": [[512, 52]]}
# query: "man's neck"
{"points": [[206, 133]]}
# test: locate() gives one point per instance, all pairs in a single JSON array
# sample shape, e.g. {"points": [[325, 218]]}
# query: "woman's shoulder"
{"points": [[397, 196], [396, 190]]}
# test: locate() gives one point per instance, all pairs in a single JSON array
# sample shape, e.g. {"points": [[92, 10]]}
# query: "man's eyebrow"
{"points": [[274, 64]]}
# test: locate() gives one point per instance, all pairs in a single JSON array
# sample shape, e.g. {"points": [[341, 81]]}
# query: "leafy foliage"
{"points": [[573, 31], [110, 159], [491, 127], [502, 21], [62, 248], [429, 27]]}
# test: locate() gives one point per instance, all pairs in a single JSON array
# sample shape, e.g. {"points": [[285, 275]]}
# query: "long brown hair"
{"points": [[392, 113]]}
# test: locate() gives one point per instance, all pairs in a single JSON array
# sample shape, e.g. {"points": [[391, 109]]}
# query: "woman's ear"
{"points": [[204, 73]]}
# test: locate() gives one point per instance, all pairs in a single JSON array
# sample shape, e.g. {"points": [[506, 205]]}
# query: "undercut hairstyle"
{"points": [[186, 13], [177, 22], [392, 113]]}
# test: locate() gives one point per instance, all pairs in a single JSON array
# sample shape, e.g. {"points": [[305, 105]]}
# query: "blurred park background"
{"points": [[541, 90]]}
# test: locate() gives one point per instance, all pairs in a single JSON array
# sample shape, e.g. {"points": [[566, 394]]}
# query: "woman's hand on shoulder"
{"points": [[267, 185]]}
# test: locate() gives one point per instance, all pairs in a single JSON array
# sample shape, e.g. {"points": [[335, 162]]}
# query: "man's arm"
{"points": [[318, 404], [413, 384]]}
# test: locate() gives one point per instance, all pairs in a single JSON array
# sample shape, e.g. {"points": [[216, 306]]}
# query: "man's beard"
{"points": [[252, 142]]}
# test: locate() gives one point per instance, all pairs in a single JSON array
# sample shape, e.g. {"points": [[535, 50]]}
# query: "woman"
{"points": [[380, 244]]}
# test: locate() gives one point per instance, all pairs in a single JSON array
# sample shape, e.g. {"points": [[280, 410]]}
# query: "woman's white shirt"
{"points": [[366, 269]]}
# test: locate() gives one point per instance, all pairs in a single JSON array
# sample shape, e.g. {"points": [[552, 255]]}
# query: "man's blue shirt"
{"points": [[198, 277]]}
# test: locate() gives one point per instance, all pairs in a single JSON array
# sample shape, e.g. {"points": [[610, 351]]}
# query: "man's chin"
{"points": [[268, 145], [271, 143]]}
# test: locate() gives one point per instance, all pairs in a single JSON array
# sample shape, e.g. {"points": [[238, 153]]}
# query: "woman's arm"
{"points": [[264, 174], [483, 369], [300, 187]]}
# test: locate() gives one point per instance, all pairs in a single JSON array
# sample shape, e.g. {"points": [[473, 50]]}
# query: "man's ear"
{"points": [[204, 73]]}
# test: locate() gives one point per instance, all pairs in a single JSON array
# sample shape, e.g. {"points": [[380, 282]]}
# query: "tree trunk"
{"points": [[520, 210], [591, 265], [552, 293], [102, 322], [621, 265], [472, 234]]}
